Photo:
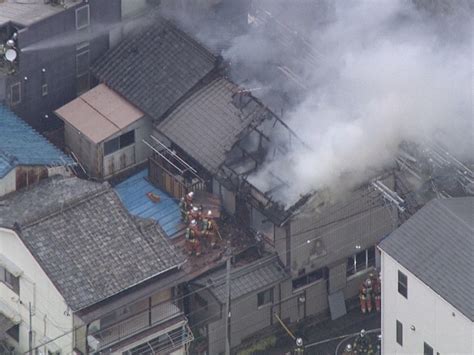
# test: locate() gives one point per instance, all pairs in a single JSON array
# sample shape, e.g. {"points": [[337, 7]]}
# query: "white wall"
{"points": [[8, 183], [35, 287], [430, 314]]}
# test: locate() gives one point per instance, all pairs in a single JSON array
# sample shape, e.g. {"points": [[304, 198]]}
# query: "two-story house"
{"points": [[142, 79], [80, 275], [428, 282], [46, 51]]}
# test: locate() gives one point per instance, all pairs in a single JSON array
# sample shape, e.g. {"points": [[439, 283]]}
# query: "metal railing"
{"points": [[135, 324]]}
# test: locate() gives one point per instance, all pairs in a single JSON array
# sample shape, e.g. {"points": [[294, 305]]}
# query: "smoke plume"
{"points": [[364, 76]]}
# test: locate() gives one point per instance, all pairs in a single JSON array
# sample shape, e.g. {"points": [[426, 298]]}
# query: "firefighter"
{"points": [[347, 350], [368, 293], [196, 214], [209, 228], [362, 299], [377, 291], [299, 346], [193, 244], [362, 344], [185, 205]]}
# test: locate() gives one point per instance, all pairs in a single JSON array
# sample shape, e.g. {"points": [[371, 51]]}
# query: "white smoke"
{"points": [[385, 71]]}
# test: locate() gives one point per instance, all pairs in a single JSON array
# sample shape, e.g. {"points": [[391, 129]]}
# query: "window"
{"points": [[265, 297], [427, 350], [10, 280], [82, 17], [320, 274], [82, 63], [402, 284], [14, 332], [399, 333], [120, 142], [361, 261], [15, 93], [127, 139]]}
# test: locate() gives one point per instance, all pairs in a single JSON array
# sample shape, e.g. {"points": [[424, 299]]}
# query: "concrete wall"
{"points": [[436, 321], [58, 59], [50, 316]]}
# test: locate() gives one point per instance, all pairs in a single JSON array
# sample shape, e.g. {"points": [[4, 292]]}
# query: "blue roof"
{"points": [[20, 144], [133, 193]]}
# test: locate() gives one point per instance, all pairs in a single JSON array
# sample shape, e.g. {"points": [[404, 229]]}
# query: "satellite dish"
{"points": [[10, 55]]}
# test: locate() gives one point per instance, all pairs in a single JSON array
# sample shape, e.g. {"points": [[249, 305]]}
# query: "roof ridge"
{"points": [[68, 206]]}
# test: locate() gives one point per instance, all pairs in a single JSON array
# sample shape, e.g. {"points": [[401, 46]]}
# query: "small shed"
{"points": [[105, 132]]}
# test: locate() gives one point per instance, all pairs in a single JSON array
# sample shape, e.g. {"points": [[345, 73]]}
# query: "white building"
{"points": [[68, 253], [428, 281]]}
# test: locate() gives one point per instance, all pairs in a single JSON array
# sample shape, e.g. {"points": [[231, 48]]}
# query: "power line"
{"points": [[275, 256]]}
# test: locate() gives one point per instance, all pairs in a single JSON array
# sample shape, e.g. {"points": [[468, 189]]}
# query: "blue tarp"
{"points": [[133, 193]]}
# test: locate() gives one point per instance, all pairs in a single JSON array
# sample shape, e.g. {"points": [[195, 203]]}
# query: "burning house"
{"points": [[216, 138]]}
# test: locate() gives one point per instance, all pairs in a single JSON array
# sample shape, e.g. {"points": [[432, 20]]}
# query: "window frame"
{"points": [[399, 333], [261, 298], [119, 144], [427, 349], [15, 85], [369, 261], [307, 279], [80, 73], [85, 25], [402, 286], [44, 89], [6, 278], [15, 334]]}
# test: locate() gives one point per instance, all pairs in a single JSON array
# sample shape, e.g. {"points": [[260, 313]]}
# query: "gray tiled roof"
{"points": [[208, 123], [89, 247], [253, 277], [437, 246], [156, 67]]}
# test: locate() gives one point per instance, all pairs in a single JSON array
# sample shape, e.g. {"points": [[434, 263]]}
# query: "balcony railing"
{"points": [[133, 325]]}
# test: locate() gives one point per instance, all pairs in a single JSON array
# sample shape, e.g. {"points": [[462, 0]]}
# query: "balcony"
{"points": [[144, 322]]}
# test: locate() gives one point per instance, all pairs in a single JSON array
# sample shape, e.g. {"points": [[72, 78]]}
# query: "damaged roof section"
{"points": [[156, 67], [208, 123], [86, 242]]}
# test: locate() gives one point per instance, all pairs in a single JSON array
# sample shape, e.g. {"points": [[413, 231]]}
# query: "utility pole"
{"points": [[30, 333], [227, 307]]}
